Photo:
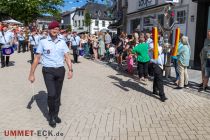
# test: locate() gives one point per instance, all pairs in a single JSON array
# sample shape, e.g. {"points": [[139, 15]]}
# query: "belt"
{"points": [[53, 67]]}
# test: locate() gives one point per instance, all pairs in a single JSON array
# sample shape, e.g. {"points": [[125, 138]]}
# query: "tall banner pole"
{"points": [[155, 43], [177, 37]]}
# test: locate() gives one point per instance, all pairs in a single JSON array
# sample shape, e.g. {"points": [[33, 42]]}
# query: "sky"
{"points": [[73, 4]]}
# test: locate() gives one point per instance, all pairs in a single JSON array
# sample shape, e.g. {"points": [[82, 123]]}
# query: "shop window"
{"points": [[103, 23], [148, 21], [161, 19], [135, 24], [181, 17]]}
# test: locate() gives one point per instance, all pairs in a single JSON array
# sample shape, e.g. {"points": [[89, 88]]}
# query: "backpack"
{"points": [[115, 40]]}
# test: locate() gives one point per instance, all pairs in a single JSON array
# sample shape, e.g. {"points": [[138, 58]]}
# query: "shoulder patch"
{"points": [[42, 38]]}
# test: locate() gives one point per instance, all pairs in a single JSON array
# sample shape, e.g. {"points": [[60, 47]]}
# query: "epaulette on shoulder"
{"points": [[42, 38]]}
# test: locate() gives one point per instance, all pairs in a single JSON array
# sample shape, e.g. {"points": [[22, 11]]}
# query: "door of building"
{"points": [[202, 24]]}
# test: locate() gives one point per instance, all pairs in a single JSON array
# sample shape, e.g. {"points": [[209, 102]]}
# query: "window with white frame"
{"points": [[75, 23], [181, 17], [79, 23], [83, 23], [96, 22], [103, 23]]}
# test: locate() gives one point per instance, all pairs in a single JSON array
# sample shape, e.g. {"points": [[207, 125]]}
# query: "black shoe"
{"points": [[202, 89], [178, 88], [52, 122], [2, 66], [155, 93], [186, 86], [200, 85], [163, 99], [7, 65], [57, 120]]}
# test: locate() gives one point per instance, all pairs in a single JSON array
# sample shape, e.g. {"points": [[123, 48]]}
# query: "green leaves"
{"points": [[28, 10], [87, 19]]}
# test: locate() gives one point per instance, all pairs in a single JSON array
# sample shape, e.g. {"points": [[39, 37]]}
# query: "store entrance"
{"points": [[202, 25]]}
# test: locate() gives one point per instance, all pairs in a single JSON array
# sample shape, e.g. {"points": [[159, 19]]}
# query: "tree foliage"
{"points": [[69, 28], [87, 19], [28, 10]]}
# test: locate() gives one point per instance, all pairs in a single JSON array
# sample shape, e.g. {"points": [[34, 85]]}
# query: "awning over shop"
{"points": [[115, 25], [201, 1]]}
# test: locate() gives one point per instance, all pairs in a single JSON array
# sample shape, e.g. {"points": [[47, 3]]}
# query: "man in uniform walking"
{"points": [[33, 43], [75, 45], [157, 68], [53, 52], [6, 40]]}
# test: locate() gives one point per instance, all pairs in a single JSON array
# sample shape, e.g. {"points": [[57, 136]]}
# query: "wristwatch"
{"points": [[71, 70]]}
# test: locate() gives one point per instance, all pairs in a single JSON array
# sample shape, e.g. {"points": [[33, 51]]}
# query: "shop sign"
{"points": [[148, 21], [146, 3], [172, 1]]}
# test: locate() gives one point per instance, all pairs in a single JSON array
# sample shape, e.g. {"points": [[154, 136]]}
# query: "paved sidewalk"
{"points": [[194, 78], [99, 103]]}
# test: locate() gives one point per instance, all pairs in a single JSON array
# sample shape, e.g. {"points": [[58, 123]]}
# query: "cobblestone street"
{"points": [[99, 103]]}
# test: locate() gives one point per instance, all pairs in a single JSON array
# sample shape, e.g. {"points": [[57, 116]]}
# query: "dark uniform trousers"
{"points": [[3, 58], [32, 53], [158, 80], [53, 78], [26, 45], [143, 69], [21, 45], [75, 53]]}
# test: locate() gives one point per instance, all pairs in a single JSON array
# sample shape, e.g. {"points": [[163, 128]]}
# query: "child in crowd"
{"points": [[111, 53], [130, 61]]}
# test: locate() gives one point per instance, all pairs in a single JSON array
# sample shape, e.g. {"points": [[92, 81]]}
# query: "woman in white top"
{"points": [[101, 48], [95, 46], [83, 41]]}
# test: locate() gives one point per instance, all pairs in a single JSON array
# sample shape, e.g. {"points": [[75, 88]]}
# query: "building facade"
{"points": [[67, 19], [119, 11], [202, 25], [142, 15], [99, 18], [42, 22]]}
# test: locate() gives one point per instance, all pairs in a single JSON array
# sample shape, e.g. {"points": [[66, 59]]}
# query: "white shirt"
{"points": [[52, 52], [34, 41], [75, 41], [108, 39], [112, 50], [7, 38]]}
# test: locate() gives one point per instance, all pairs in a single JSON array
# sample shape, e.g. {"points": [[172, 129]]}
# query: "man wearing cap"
{"points": [[52, 51], [33, 43], [75, 44], [6, 40]]}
